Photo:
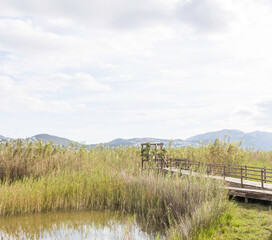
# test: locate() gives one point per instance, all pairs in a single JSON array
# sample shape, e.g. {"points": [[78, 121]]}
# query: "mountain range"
{"points": [[257, 140]]}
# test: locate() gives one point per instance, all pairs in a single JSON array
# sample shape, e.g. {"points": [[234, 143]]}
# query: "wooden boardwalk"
{"points": [[230, 181], [250, 189], [241, 180], [259, 188]]}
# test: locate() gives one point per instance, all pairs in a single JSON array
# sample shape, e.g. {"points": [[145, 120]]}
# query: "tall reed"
{"points": [[224, 151], [43, 177]]}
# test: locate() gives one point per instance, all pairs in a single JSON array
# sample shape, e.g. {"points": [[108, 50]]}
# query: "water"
{"points": [[72, 225]]}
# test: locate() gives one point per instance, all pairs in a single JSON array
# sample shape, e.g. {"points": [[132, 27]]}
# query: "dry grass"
{"points": [[42, 177]]}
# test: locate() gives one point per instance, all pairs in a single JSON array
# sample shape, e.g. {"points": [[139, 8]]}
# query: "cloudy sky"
{"points": [[94, 70]]}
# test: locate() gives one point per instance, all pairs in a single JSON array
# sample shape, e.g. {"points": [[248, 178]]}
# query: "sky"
{"points": [[95, 70]]}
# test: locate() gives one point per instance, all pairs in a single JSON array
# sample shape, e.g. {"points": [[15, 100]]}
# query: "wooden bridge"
{"points": [[241, 180]]}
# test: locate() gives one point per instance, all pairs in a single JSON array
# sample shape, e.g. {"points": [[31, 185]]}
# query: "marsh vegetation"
{"points": [[37, 177]]}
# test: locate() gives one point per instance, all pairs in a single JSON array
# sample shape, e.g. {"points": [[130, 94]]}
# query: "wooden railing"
{"points": [[242, 172]]}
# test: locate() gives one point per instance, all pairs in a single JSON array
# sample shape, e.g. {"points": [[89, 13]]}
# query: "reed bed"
{"points": [[38, 177], [224, 151]]}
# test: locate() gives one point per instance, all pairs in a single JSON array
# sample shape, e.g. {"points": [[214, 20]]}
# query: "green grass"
{"points": [[245, 222]]}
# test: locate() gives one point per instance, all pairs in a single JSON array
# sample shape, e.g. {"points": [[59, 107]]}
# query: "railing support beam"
{"points": [[262, 178], [242, 185]]}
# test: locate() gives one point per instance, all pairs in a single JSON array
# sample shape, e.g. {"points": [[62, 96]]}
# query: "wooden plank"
{"points": [[251, 193]]}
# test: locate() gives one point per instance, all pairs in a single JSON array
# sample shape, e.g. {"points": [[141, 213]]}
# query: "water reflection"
{"points": [[71, 225]]}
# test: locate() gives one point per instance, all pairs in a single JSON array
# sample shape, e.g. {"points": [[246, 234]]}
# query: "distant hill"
{"points": [[48, 138], [138, 141], [211, 136], [260, 140], [2, 138], [257, 139]]}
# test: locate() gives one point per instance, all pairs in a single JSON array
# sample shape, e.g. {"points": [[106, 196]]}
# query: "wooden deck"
{"points": [[241, 180], [248, 190]]}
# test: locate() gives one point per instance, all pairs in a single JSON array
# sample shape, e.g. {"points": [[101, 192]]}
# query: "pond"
{"points": [[72, 225]]}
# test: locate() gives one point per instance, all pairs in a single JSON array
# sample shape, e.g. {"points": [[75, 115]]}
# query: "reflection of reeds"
{"points": [[64, 225], [43, 177]]}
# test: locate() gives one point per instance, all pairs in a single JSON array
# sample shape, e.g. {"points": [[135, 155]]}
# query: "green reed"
{"points": [[224, 151], [38, 177]]}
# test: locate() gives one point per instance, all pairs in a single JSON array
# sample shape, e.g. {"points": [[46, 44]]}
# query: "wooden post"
{"points": [[265, 174], [246, 172], [161, 165], [229, 170], [224, 172], [242, 177], [262, 177], [142, 156]]}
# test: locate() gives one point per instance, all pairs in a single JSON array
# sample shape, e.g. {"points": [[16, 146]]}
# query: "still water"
{"points": [[72, 225]]}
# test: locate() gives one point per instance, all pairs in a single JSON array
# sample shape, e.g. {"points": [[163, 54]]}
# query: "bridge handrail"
{"points": [[243, 172]]}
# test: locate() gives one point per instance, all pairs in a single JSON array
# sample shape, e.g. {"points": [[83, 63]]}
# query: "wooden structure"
{"points": [[148, 146], [242, 172], [241, 180]]}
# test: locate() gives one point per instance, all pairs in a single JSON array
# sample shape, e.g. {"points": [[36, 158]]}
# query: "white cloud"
{"points": [[41, 94], [105, 13], [205, 15], [173, 68], [58, 82], [87, 82]]}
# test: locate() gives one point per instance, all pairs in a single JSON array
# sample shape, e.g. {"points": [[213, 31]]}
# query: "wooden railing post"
{"points": [[265, 174], [142, 156], [161, 165], [262, 178], [224, 172], [246, 172], [242, 177], [229, 170]]}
